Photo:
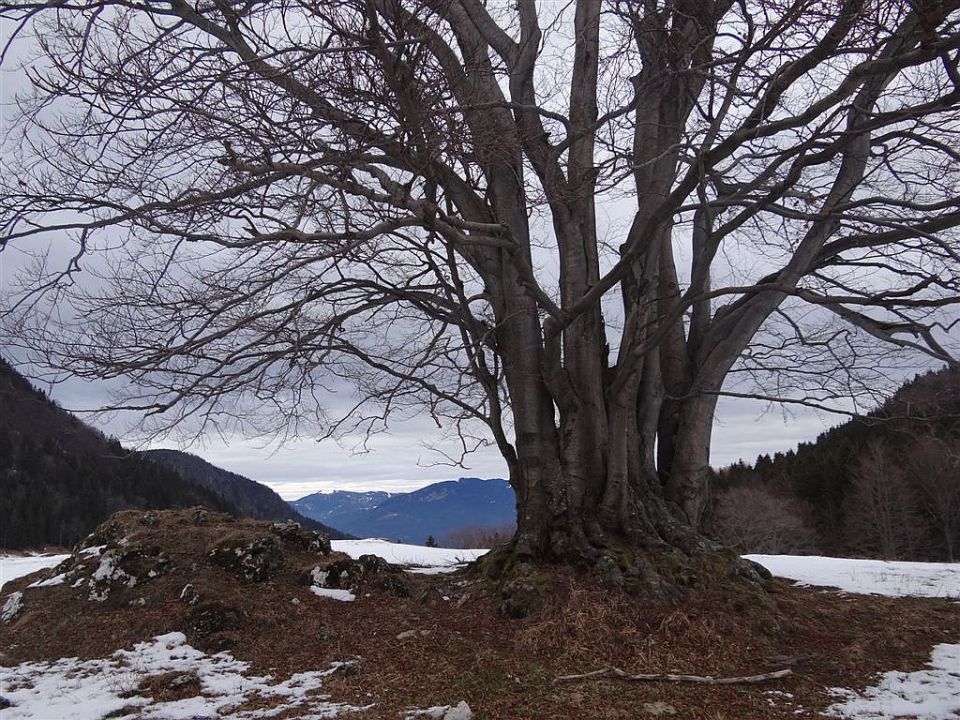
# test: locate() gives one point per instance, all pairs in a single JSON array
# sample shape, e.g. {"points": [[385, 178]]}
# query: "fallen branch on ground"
{"points": [[670, 677]]}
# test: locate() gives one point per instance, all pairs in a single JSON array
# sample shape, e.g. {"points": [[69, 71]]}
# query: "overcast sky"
{"points": [[401, 460]]}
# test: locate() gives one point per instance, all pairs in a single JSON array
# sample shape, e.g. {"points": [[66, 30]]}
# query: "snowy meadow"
{"points": [[113, 686]]}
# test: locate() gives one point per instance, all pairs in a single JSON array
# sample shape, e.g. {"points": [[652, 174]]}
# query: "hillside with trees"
{"points": [[886, 485], [250, 498], [59, 477]]}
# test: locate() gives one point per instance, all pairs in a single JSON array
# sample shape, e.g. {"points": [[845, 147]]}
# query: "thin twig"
{"points": [[670, 677]]}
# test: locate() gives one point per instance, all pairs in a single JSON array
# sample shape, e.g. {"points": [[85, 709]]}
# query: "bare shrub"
{"points": [[479, 536], [934, 469], [882, 509], [754, 519]]}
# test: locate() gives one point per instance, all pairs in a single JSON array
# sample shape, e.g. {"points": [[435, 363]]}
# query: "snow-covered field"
{"points": [[415, 557], [875, 577], [12, 567], [85, 690]]}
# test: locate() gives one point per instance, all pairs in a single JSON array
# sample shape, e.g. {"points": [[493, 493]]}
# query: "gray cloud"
{"points": [[401, 460]]}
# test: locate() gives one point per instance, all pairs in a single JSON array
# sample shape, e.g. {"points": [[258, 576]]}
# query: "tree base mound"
{"points": [[662, 574]]}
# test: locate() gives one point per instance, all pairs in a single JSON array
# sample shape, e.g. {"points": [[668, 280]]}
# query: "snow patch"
{"points": [[108, 572], [415, 558], [91, 689], [319, 576], [932, 694], [50, 582], [335, 593], [460, 711], [13, 567]]}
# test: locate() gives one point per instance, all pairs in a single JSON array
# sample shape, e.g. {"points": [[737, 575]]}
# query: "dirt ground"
{"points": [[249, 593]]}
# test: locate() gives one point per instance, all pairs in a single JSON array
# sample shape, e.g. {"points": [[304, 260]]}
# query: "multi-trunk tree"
{"points": [[567, 222]]}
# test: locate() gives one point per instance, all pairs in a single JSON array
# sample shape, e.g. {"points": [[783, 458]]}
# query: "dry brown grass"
{"points": [[503, 668]]}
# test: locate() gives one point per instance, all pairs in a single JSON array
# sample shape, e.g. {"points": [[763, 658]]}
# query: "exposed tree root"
{"points": [[664, 573]]}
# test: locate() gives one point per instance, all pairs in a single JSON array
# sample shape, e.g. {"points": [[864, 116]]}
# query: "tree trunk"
{"points": [[687, 484], [598, 507]]}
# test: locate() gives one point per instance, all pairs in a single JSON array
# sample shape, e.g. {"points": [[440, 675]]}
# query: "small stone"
{"points": [[658, 708], [347, 668], [107, 573], [139, 602], [395, 584], [254, 561], [12, 607], [149, 519], [189, 595], [325, 634], [410, 634], [289, 530], [460, 711], [319, 577], [431, 713], [373, 564], [320, 544], [292, 532], [182, 680]]}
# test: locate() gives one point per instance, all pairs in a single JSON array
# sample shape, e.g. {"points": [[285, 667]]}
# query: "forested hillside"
{"points": [[59, 478], [250, 498], [886, 485]]}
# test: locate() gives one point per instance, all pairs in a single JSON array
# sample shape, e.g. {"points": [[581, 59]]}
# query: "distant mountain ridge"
{"points": [[326, 507], [435, 510], [250, 498]]}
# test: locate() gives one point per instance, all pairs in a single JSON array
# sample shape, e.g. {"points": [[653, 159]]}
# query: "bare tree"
{"points": [[934, 468], [413, 195], [753, 519], [479, 536], [883, 517]]}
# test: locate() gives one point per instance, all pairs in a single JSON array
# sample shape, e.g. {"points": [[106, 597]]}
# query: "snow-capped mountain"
{"points": [[434, 510], [324, 506]]}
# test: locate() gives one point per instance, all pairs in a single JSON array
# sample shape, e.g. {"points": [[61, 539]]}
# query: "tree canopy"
{"points": [[570, 223]]}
